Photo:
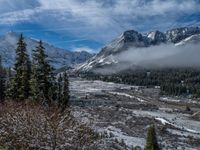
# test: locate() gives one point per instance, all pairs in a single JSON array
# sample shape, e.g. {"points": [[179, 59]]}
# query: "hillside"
{"points": [[57, 56]]}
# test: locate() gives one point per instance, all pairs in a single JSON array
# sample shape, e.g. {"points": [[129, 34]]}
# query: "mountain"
{"points": [[58, 57], [156, 37], [179, 34], [194, 39], [135, 41]]}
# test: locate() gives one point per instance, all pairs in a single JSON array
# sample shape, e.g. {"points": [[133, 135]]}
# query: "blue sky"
{"points": [[89, 24]]}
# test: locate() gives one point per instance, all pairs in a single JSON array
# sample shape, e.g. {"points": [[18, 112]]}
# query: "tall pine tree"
{"points": [[2, 81], [20, 87], [59, 88], [66, 95], [34, 82], [9, 81], [41, 80]]}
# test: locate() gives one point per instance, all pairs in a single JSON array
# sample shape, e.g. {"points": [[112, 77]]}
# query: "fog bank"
{"points": [[166, 55]]}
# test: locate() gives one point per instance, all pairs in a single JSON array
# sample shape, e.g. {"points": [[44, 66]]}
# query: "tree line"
{"points": [[33, 79], [172, 81]]}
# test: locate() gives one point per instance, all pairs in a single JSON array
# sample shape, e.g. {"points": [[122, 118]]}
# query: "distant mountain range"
{"points": [[58, 57], [134, 40]]}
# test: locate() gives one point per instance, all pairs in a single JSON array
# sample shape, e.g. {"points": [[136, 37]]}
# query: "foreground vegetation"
{"points": [[26, 125], [34, 108]]}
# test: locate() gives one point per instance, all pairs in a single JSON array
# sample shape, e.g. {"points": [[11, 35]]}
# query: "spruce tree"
{"points": [[9, 86], [151, 143], [42, 78], [66, 95], [60, 91], [53, 85], [2, 81], [34, 83], [20, 87]]}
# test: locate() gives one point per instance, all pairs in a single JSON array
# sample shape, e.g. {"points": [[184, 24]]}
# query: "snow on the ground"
{"points": [[121, 136], [169, 99], [83, 117], [177, 120], [178, 99], [96, 86], [164, 122], [127, 95], [166, 109], [181, 133]]}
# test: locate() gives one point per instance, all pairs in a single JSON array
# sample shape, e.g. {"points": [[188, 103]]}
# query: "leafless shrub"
{"points": [[27, 125]]}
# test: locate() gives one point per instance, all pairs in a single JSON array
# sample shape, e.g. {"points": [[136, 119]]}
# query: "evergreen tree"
{"points": [[34, 83], [42, 80], [151, 143], [66, 95], [53, 86], [20, 87], [2, 81], [60, 91], [8, 83]]}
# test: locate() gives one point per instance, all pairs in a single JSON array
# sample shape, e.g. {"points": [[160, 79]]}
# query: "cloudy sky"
{"points": [[89, 24]]}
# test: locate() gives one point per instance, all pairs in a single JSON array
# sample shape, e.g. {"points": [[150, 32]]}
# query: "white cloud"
{"points": [[90, 12], [18, 16], [140, 8], [96, 19], [14, 5], [162, 55], [94, 12]]}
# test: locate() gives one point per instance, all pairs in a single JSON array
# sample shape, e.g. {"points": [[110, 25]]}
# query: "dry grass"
{"points": [[25, 125]]}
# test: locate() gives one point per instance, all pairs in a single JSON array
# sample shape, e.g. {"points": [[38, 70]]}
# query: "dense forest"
{"points": [[33, 79], [172, 81]]}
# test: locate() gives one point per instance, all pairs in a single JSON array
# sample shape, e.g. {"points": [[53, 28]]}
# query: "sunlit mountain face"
{"points": [[90, 24]]}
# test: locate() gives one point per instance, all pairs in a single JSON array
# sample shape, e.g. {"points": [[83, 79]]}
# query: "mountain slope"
{"points": [[194, 39], [58, 57], [134, 41]]}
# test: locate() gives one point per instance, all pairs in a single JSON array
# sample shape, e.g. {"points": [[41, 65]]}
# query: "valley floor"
{"points": [[125, 112]]}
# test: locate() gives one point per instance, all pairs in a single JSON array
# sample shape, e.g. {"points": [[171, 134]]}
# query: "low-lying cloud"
{"points": [[162, 55], [156, 57]]}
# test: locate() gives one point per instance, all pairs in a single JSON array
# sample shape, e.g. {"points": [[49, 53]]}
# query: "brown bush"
{"points": [[27, 125]]}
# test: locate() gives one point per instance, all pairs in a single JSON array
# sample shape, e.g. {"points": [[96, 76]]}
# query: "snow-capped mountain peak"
{"points": [[132, 36], [178, 34], [156, 37], [132, 39]]}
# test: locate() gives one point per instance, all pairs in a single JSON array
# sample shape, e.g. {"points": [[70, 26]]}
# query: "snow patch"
{"points": [[164, 122], [127, 95], [119, 135]]}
